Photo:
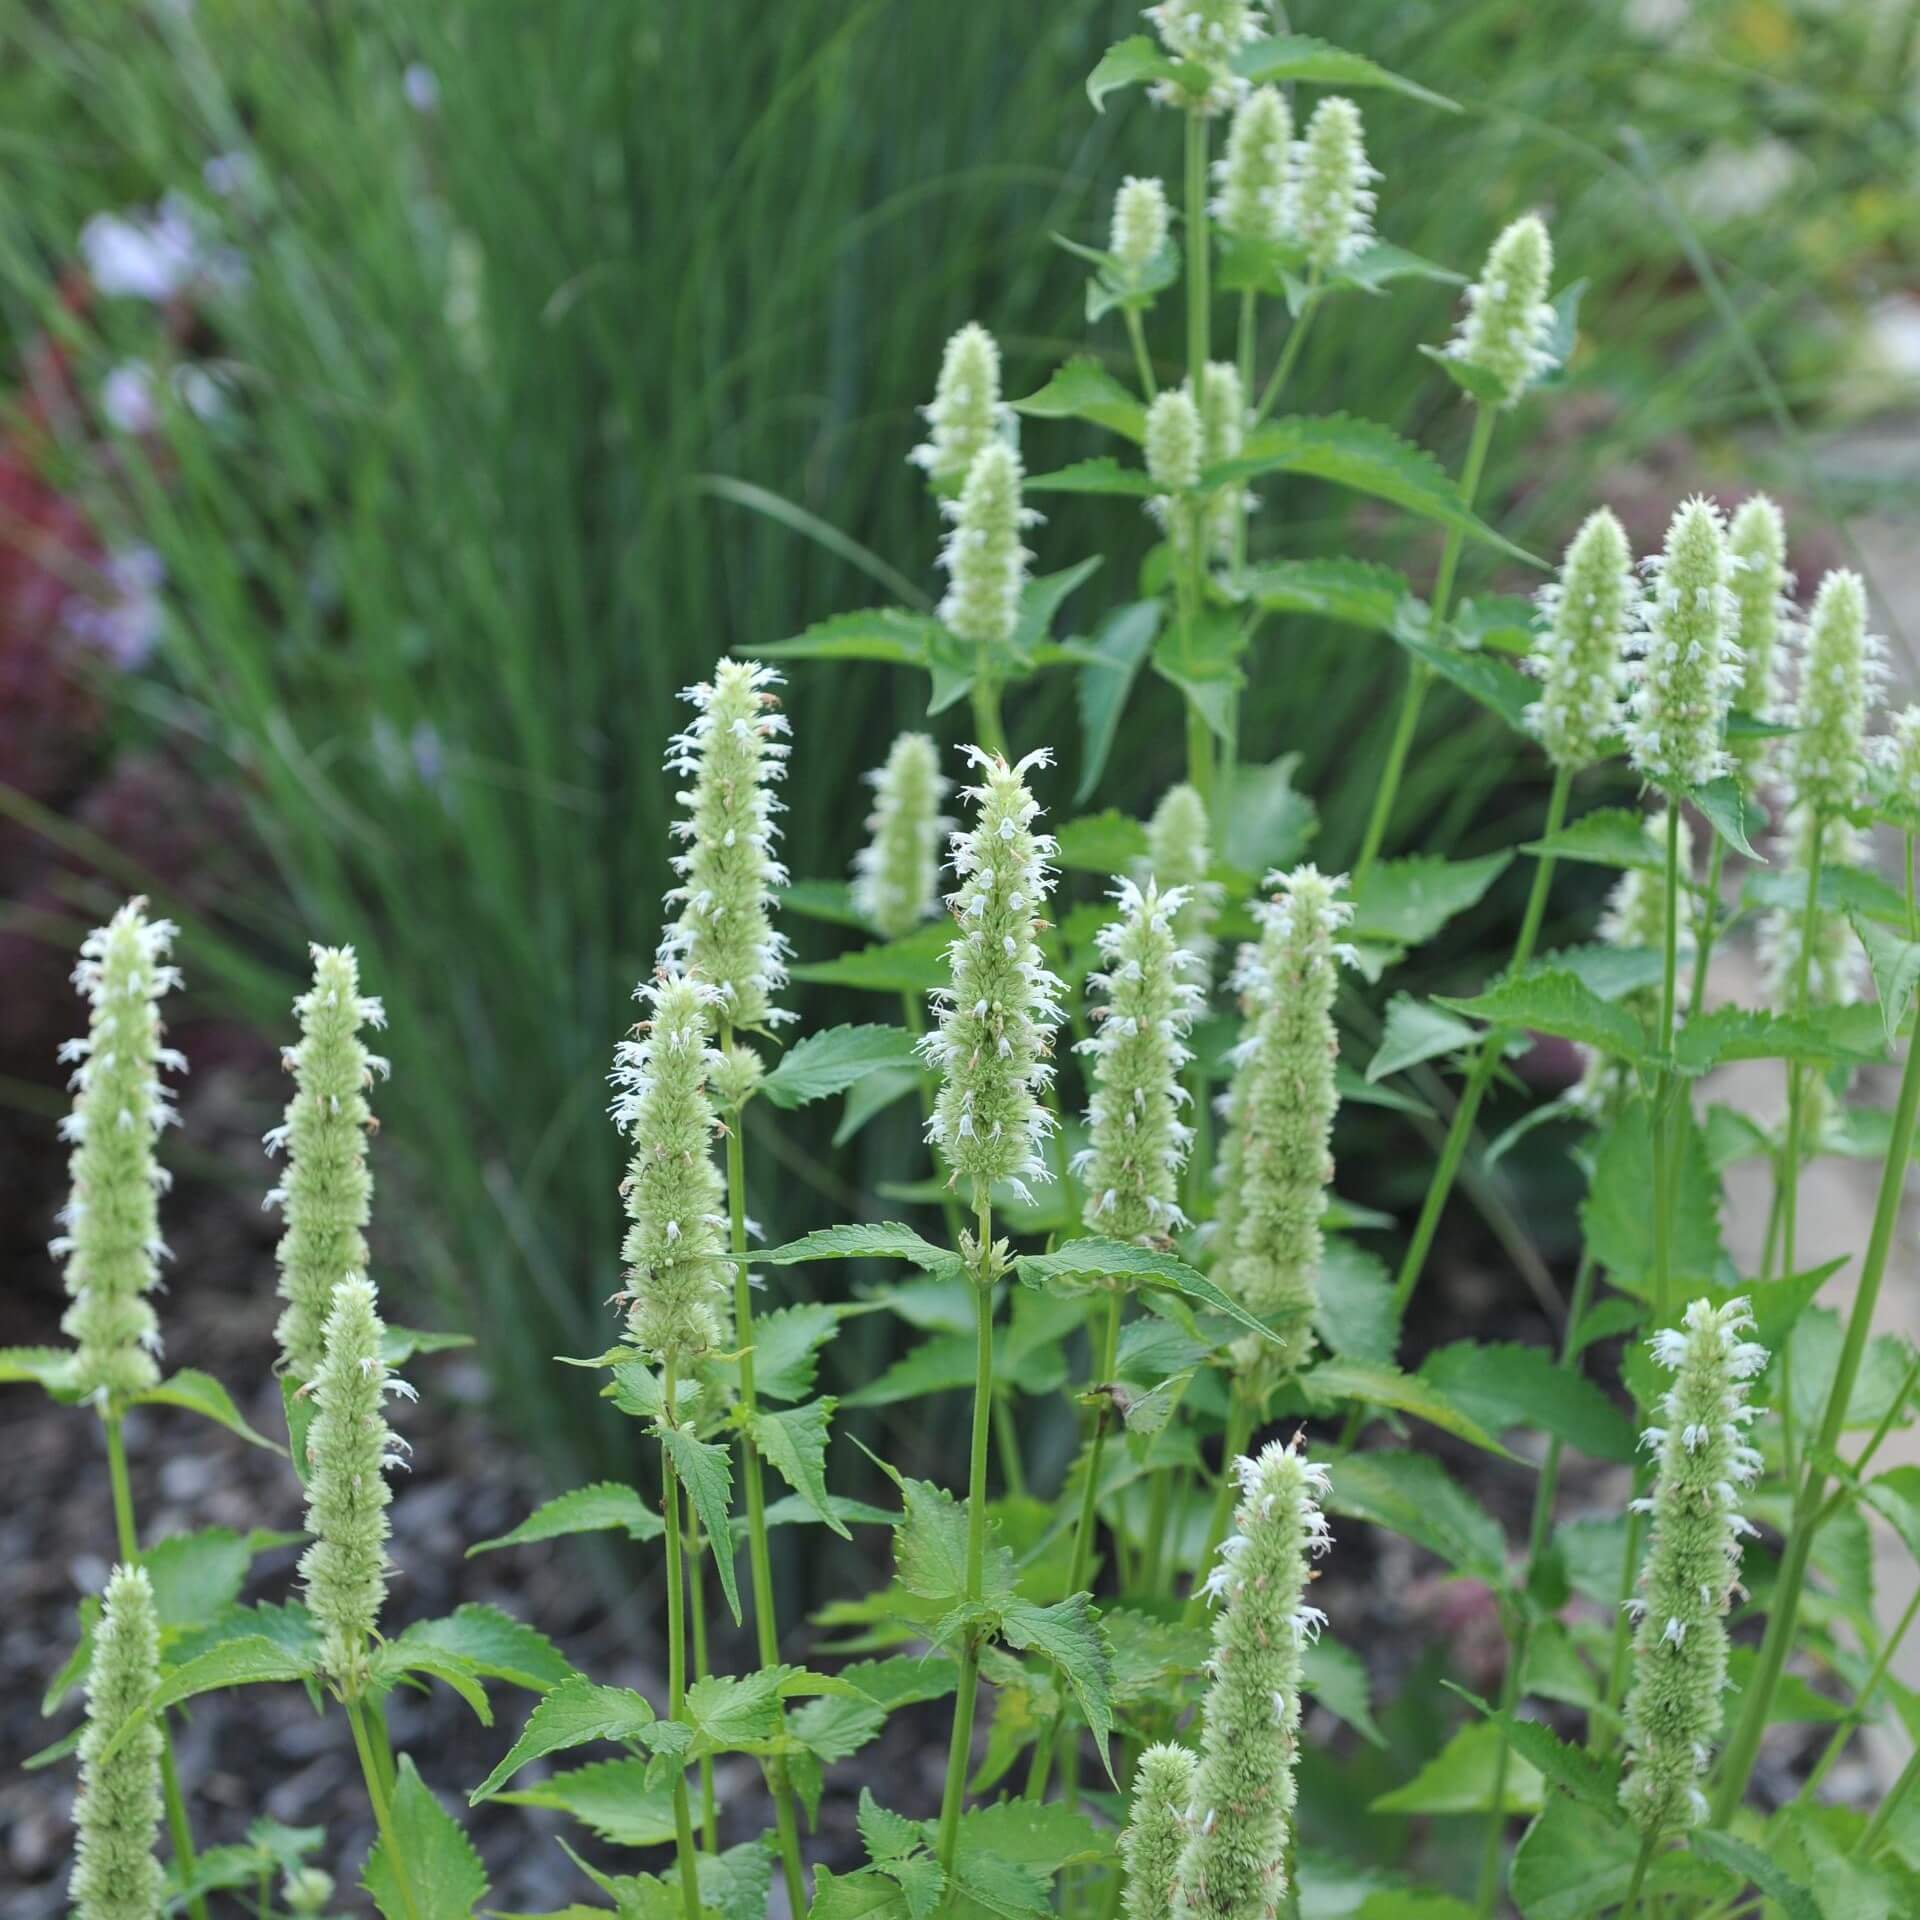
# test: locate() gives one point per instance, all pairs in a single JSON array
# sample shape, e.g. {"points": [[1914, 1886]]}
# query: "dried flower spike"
{"points": [[1333, 195], [1692, 1565], [675, 1246], [1234, 1865], [1207, 33], [1140, 226], [1580, 657], [116, 1816], [735, 751], [996, 1021], [1252, 203], [896, 875], [1137, 1142], [349, 1449], [966, 412], [1757, 553], [985, 560], [325, 1195], [1156, 1831], [1508, 322], [1179, 856], [1842, 669], [110, 1226], [1689, 660]]}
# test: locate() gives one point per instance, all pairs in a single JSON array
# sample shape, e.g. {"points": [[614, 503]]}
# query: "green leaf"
{"points": [[1136, 62], [1504, 1386], [398, 1345], [787, 1342], [1417, 1030], [890, 636], [1067, 1634], [864, 1895], [930, 1547], [1459, 1778], [1355, 1314], [442, 1873], [493, 1644], [1265, 821], [1104, 475], [1559, 1002], [600, 1508], [1409, 901], [234, 1663], [1045, 1836], [836, 1727], [1119, 1259], [48, 1367], [1084, 390], [1383, 263], [1354, 592], [1729, 812], [1387, 1386], [830, 901], [1793, 1899], [197, 1576], [708, 1476], [888, 1241], [794, 1443], [1297, 56], [733, 1884], [1410, 1494], [574, 1713], [611, 1797], [1607, 837], [869, 1098], [1106, 843], [940, 1365], [1336, 1676], [1571, 1864], [916, 963], [1895, 1497], [1615, 1215], [1480, 676], [1896, 972], [1609, 971], [1041, 600], [1814, 1348], [886, 1834], [201, 1393], [1119, 646], [392, 1662], [830, 1062], [1590, 1779], [1202, 658], [1362, 456], [1850, 1034]]}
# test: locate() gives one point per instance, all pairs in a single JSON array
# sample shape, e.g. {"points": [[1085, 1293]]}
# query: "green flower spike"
{"points": [[985, 561], [966, 413], [1175, 451], [116, 1816], [1693, 1563], [110, 1226], [1897, 757], [1842, 669], [1180, 856], [1207, 33], [896, 875], [1234, 1865], [1138, 1144], [1689, 658], [1282, 1107], [1223, 434], [1757, 552], [324, 1197], [1156, 1832], [678, 1274], [1252, 203], [349, 1449], [1508, 322], [1837, 970], [1333, 197], [1579, 659], [307, 1890], [735, 751], [1140, 226], [995, 1023]]}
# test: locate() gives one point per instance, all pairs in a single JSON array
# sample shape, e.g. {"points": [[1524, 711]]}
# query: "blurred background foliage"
{"points": [[503, 363]]}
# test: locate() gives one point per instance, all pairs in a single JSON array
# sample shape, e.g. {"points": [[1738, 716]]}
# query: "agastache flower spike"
{"points": [[349, 1449], [1156, 1831], [1208, 33], [1253, 176], [995, 1023], [110, 1226], [896, 875], [1693, 1563], [675, 1247], [1223, 435], [1175, 451], [1283, 1101], [735, 751], [1580, 656], [1140, 226], [1179, 856], [1897, 756], [325, 1195], [1332, 196], [1757, 552], [1508, 322], [116, 1816], [1234, 1865], [985, 562], [1842, 668], [967, 412], [1138, 1144], [1689, 659]]}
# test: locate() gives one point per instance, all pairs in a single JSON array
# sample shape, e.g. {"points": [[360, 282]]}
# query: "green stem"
{"points": [[1862, 1702], [697, 1620], [1197, 262], [677, 1652], [382, 1810], [960, 1746], [1247, 343], [1199, 749], [1707, 927], [1006, 1440], [1240, 1415], [1796, 1098], [1420, 673], [1875, 1441], [1875, 1836], [987, 726], [1290, 351], [1663, 1085], [1642, 1861], [1913, 903], [1757, 1701], [1142, 363]]}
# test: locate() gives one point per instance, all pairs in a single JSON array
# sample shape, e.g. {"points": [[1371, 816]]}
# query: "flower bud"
{"points": [[967, 412], [1137, 1144], [1140, 227], [1580, 657], [724, 935], [1252, 177], [896, 875], [1333, 197], [110, 1226], [1223, 436], [1179, 857], [1689, 660], [1241, 1814], [1692, 1564], [1757, 554], [1508, 322], [994, 1035], [985, 562], [1156, 1831], [116, 1816], [1174, 441], [306, 1890], [674, 1250], [1842, 669], [325, 1196], [1208, 33]]}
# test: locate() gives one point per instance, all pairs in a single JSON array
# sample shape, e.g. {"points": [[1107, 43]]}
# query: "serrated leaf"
{"points": [[1119, 647], [1411, 1494], [1337, 1677], [1459, 1779], [1814, 1347], [887, 1241], [1409, 901], [1137, 62], [1068, 1635], [1118, 1259], [940, 1365], [707, 1474], [1480, 676], [1895, 1497], [1729, 812], [1609, 971], [1298, 56], [1202, 658], [836, 1727], [930, 1547], [493, 1644], [1104, 475], [1506, 1385], [887, 1835], [864, 1895], [1558, 1002], [1571, 1864], [830, 1062], [574, 1713], [1793, 1899], [1896, 971], [1084, 390], [1417, 1030], [201, 1393], [733, 1884], [793, 1441], [614, 1798], [916, 963], [600, 1508], [1265, 821], [1615, 1215], [198, 1576], [869, 1098], [890, 636], [1850, 1034], [1387, 1386], [787, 1342], [1607, 837], [1046, 1836], [1354, 1314], [1109, 842], [1354, 592], [250, 1661], [1382, 263], [392, 1662], [1591, 1779], [442, 1873]]}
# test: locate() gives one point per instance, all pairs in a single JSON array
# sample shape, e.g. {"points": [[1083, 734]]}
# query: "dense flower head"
{"points": [[1207, 33], [116, 1816], [1842, 668], [1156, 1831], [983, 554], [966, 412], [1223, 436], [1255, 173], [1283, 1100], [1897, 758], [1180, 856], [1693, 1563], [1580, 656], [1137, 1143], [110, 1227], [325, 1195], [995, 1023], [896, 875], [1234, 1865], [307, 1890], [1762, 586], [1174, 441], [675, 1246], [1333, 195], [1140, 226], [349, 1450], [1508, 323], [1837, 971], [735, 751], [1689, 657]]}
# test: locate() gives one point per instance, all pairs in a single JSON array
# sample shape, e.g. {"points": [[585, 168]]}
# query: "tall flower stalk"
{"points": [[986, 561], [1156, 1832], [116, 1815]]}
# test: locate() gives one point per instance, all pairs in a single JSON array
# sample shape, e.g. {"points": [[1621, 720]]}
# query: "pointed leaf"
{"points": [[830, 1062], [201, 1393], [1104, 475], [1119, 646], [1298, 56], [1067, 1634], [494, 1644], [600, 1508], [917, 963], [571, 1715], [442, 1874], [1896, 972], [1492, 682], [707, 1474], [1558, 1002], [1118, 1259], [1084, 390], [890, 636], [1507, 1385], [1136, 62], [1411, 1494], [793, 1442], [1416, 1030], [1409, 901], [1387, 1386], [1606, 837], [1793, 1899], [1354, 592], [888, 1241]]}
